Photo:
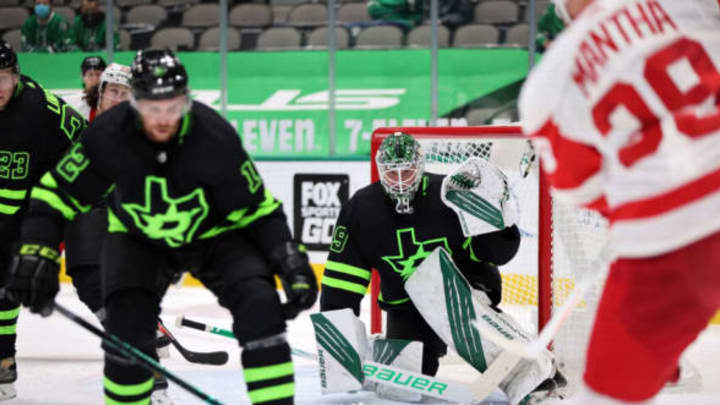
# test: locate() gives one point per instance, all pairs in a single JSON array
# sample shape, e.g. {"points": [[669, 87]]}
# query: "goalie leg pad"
{"points": [[404, 354], [438, 284], [342, 350]]}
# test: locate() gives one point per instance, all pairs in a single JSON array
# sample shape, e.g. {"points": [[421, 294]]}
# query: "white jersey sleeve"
{"points": [[77, 102], [624, 110]]}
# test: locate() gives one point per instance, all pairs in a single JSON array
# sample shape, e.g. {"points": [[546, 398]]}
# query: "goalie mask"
{"points": [[400, 165]]}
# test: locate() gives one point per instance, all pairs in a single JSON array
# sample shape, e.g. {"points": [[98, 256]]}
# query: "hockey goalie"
{"points": [[624, 110], [437, 242]]}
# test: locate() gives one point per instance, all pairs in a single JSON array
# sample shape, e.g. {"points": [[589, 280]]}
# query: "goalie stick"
{"points": [[214, 358], [475, 391]]}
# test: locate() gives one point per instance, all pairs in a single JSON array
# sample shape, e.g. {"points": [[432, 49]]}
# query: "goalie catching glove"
{"points": [[297, 277], [33, 280], [478, 192]]}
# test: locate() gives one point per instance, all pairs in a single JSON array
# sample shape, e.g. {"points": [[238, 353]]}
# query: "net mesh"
{"points": [[577, 237]]}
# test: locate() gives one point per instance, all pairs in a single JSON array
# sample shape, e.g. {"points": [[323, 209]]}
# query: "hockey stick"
{"points": [[215, 358], [181, 322], [596, 269], [130, 351], [479, 389]]}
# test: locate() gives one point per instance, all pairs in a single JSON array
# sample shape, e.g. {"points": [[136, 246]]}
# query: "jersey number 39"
{"points": [[658, 76]]}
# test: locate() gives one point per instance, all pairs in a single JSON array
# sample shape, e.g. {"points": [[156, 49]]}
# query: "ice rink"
{"points": [[60, 363]]}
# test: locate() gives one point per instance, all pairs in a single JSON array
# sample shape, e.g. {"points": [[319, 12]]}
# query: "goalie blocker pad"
{"points": [[462, 317]]}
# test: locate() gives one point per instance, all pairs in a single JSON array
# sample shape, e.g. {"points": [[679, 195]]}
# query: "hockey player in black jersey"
{"points": [[392, 226], [37, 128], [84, 235], [184, 193]]}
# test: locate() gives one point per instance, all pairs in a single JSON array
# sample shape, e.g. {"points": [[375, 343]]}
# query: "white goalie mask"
{"points": [[400, 165]]}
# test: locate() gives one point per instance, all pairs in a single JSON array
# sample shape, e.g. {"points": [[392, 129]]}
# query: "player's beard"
{"points": [[161, 132]]}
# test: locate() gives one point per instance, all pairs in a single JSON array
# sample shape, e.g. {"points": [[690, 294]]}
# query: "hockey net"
{"points": [[558, 241]]}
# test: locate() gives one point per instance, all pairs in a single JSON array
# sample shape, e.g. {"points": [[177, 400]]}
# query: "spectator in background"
{"points": [[88, 29], [454, 13], [407, 13], [92, 67], [44, 31], [549, 27]]}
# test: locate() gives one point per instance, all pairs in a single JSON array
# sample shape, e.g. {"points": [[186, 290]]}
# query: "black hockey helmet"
{"points": [[94, 63], [158, 74], [8, 57]]}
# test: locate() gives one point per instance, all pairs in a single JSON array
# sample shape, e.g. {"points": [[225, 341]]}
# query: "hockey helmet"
{"points": [[400, 164], [115, 73], [93, 63], [158, 74], [8, 58]]}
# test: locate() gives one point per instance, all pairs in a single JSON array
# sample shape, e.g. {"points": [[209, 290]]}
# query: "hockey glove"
{"points": [[297, 277], [33, 280]]}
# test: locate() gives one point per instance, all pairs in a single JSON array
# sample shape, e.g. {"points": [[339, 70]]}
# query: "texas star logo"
{"points": [[411, 252], [173, 220]]}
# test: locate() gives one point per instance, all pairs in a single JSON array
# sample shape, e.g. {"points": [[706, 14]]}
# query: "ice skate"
{"points": [[548, 392], [8, 376], [162, 345], [160, 395]]}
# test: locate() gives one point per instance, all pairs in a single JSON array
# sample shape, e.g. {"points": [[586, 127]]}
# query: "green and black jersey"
{"points": [[370, 234], [199, 185], [37, 128]]}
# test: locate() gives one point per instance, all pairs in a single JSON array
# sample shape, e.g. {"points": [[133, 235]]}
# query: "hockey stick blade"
{"points": [[212, 358]]}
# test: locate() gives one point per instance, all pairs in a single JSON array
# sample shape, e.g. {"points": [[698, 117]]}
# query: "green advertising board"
{"points": [[278, 101]]}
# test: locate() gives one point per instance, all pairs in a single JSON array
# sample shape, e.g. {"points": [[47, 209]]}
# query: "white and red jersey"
{"points": [[624, 105], [77, 101]]}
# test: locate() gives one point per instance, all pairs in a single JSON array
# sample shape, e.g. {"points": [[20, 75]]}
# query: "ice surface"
{"points": [[61, 364]]}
